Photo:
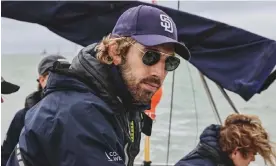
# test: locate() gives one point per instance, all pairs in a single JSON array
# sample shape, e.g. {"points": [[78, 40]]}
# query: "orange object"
{"points": [[154, 101]]}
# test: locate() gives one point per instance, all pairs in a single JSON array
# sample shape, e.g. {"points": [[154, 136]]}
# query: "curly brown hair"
{"points": [[246, 133], [123, 45]]}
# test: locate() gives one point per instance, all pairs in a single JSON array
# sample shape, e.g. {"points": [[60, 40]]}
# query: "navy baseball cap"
{"points": [[149, 26]]}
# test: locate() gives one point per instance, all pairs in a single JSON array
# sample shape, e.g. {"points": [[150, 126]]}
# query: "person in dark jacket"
{"points": [[17, 122], [91, 113], [234, 144]]}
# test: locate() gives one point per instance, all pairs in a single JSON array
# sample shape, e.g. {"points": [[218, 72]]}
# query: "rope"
{"points": [[210, 97], [228, 99], [170, 120], [171, 107], [194, 98]]}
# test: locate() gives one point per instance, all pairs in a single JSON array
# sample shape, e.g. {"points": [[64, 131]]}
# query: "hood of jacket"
{"points": [[104, 80], [210, 148]]}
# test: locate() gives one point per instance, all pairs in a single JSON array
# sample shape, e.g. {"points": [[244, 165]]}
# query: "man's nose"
{"points": [[158, 69]]}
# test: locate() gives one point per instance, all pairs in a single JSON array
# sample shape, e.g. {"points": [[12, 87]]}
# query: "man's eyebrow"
{"points": [[151, 49], [156, 50]]}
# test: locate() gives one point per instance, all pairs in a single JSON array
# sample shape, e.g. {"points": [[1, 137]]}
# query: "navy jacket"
{"points": [[207, 152], [83, 119], [16, 126]]}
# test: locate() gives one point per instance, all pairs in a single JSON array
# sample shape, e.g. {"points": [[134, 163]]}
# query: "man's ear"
{"points": [[234, 153], [112, 52]]}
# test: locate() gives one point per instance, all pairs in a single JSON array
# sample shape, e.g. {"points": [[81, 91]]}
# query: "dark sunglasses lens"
{"points": [[172, 63], [151, 58]]}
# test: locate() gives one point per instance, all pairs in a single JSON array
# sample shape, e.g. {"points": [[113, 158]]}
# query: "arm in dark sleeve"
{"points": [[12, 136]]}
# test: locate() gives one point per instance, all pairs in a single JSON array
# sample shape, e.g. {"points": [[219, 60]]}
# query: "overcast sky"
{"points": [[257, 17]]}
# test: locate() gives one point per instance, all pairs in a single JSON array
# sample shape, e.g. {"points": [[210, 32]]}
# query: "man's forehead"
{"points": [[165, 48]]}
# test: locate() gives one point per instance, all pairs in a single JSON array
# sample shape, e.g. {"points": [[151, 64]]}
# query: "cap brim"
{"points": [[154, 40], [8, 88]]}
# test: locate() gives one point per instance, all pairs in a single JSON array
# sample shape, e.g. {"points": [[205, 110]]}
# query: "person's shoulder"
{"points": [[32, 99], [63, 105], [20, 113], [196, 158], [70, 101], [78, 115], [195, 161]]}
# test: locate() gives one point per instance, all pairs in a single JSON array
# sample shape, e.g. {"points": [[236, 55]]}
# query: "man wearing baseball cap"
{"points": [[17, 122], [91, 115], [45, 65]]}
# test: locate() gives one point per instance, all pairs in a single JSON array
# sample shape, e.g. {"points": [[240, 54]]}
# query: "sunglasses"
{"points": [[153, 57]]}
